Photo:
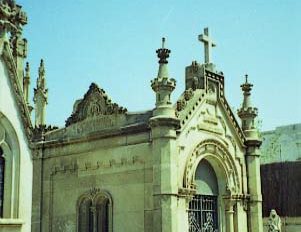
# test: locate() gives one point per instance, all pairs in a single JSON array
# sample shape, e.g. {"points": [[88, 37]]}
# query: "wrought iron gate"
{"points": [[202, 214]]}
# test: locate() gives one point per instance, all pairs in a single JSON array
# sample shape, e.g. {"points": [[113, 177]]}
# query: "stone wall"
{"points": [[281, 191], [282, 144], [120, 165], [20, 183], [280, 175]]}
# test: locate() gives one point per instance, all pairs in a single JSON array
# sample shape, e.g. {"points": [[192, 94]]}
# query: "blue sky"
{"points": [[113, 43]]}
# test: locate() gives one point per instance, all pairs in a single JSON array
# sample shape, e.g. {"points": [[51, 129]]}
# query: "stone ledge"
{"points": [[11, 222]]}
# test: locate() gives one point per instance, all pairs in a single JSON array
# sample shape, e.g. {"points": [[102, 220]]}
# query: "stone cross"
{"points": [[208, 44]]}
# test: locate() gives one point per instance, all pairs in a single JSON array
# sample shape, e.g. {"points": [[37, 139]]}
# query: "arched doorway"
{"points": [[203, 208]]}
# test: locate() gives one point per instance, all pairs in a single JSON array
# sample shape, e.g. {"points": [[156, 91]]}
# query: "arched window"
{"points": [[2, 170], [203, 208], [85, 216], [9, 170], [95, 212]]}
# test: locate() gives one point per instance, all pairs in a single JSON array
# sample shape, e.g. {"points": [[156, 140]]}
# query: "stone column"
{"points": [[36, 218], [229, 213], [93, 210], [254, 187], [163, 125], [164, 176], [248, 115]]}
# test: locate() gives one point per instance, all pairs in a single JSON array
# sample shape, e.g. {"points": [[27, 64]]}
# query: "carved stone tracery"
{"points": [[221, 153], [95, 103]]}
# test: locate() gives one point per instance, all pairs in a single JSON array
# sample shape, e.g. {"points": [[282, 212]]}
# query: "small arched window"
{"points": [[95, 212], [2, 171]]}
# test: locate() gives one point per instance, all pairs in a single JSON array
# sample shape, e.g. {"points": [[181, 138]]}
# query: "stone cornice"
{"points": [[253, 142], [233, 120], [7, 56], [164, 121], [101, 134]]}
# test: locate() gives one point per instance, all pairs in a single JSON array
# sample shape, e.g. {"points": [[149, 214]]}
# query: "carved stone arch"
{"points": [[93, 196], [221, 160], [9, 144]]}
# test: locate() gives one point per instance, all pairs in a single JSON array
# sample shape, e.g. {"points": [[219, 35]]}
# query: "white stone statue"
{"points": [[274, 222]]}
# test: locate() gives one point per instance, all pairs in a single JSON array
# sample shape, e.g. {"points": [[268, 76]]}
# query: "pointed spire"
{"points": [[247, 112], [41, 82], [163, 55], [246, 88], [163, 85], [40, 97], [42, 69]]}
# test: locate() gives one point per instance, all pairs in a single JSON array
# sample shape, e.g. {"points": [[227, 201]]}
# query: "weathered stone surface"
{"points": [[282, 144]]}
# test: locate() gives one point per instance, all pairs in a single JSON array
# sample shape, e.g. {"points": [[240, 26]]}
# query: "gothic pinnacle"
{"points": [[246, 88], [42, 68], [163, 54], [247, 112]]}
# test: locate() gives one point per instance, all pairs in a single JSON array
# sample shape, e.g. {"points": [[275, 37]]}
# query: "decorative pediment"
{"points": [[95, 103]]}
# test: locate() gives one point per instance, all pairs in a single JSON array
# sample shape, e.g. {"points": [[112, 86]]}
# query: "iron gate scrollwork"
{"points": [[202, 214]]}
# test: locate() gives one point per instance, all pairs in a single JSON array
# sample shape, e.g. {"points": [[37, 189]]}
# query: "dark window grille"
{"points": [[202, 214], [2, 167]]}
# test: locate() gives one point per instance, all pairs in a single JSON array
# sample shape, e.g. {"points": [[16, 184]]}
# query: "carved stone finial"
{"points": [[40, 97], [248, 113], [163, 53], [246, 88], [42, 68], [246, 76], [163, 42]]}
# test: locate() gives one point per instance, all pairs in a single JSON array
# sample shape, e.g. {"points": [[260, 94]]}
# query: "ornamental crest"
{"points": [[95, 103]]}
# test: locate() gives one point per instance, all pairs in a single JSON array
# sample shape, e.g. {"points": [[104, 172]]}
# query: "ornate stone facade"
{"points": [[109, 169]]}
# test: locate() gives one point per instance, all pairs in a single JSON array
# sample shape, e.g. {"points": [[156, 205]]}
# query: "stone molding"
{"points": [[220, 152], [72, 167], [15, 84], [11, 152], [102, 134], [164, 121]]}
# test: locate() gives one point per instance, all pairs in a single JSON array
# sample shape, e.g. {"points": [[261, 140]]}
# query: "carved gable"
{"points": [[206, 109], [95, 103]]}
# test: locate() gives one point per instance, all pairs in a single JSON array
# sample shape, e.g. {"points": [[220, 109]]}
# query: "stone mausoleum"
{"points": [[183, 166]]}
